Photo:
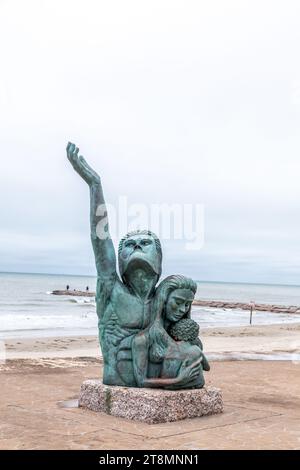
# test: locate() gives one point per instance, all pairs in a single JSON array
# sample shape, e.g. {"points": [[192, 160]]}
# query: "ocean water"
{"points": [[28, 309]]}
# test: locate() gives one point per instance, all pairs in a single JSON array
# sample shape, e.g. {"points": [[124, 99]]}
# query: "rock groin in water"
{"points": [[81, 293], [246, 306]]}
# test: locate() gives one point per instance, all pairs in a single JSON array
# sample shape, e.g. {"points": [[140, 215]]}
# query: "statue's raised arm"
{"points": [[105, 257]]}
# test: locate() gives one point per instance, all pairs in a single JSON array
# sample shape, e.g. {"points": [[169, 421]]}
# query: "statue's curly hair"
{"points": [[185, 329]]}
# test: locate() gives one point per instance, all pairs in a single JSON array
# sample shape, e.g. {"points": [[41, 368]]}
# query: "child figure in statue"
{"points": [[186, 331]]}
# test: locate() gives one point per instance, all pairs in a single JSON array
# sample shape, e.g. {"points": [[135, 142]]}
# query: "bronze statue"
{"points": [[132, 314]]}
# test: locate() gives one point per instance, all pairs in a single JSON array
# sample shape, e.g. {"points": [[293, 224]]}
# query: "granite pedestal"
{"points": [[150, 405]]}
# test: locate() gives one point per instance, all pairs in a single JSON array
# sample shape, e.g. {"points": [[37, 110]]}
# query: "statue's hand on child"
{"points": [[189, 372]]}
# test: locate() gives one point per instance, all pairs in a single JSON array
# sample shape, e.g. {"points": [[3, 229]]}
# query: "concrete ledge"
{"points": [[150, 405]]}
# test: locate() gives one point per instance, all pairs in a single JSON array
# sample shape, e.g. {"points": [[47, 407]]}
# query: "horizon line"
{"points": [[197, 280]]}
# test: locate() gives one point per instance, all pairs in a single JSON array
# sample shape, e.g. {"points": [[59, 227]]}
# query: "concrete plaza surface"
{"points": [[38, 399]]}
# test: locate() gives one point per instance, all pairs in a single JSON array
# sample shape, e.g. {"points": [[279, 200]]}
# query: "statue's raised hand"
{"points": [[81, 166]]}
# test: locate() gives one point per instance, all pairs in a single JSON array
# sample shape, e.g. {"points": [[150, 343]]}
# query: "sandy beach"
{"points": [[39, 410], [219, 343], [40, 381]]}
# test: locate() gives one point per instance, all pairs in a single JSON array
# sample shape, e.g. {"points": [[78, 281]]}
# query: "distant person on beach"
{"points": [[67, 287], [87, 288]]}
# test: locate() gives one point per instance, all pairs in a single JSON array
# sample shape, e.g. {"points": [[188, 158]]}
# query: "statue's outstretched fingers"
{"points": [[86, 164], [69, 145], [70, 151], [72, 148], [83, 160], [89, 172]]}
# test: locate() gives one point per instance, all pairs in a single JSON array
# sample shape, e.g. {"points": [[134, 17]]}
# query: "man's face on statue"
{"points": [[178, 304], [139, 251]]}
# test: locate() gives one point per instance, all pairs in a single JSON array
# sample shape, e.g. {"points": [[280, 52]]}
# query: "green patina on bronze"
{"points": [[136, 318]]}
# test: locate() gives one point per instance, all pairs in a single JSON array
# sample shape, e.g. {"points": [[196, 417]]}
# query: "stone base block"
{"points": [[150, 405]]}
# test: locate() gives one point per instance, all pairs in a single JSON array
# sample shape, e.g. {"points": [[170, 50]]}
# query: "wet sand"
{"points": [[276, 340]]}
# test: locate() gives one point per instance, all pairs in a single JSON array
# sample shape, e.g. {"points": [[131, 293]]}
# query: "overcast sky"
{"points": [[171, 101]]}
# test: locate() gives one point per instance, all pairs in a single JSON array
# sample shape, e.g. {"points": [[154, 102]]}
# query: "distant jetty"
{"points": [[79, 293], [206, 303], [246, 306]]}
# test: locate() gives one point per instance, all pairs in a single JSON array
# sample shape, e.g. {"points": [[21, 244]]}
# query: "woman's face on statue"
{"points": [[178, 304]]}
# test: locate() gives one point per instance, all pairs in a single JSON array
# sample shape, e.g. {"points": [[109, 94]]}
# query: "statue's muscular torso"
{"points": [[121, 316]]}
